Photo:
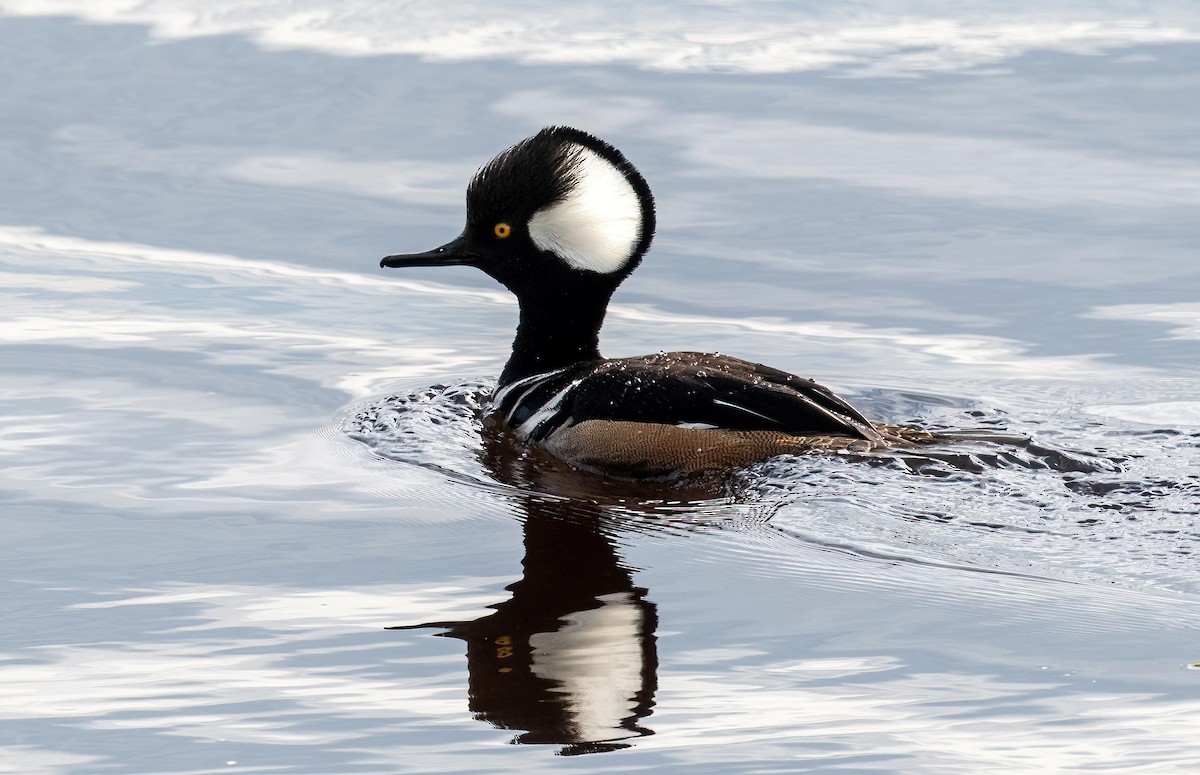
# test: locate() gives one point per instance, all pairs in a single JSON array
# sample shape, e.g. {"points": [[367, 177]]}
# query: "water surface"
{"points": [[236, 453]]}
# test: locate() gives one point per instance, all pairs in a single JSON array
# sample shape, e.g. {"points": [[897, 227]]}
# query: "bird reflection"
{"points": [[570, 657]]}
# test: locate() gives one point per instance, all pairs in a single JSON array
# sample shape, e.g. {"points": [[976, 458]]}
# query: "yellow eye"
{"points": [[502, 230]]}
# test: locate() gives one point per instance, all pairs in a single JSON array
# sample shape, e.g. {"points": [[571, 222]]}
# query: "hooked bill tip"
{"points": [[455, 252], [436, 257]]}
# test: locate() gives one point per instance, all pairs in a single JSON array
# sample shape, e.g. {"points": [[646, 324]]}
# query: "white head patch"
{"points": [[599, 222]]}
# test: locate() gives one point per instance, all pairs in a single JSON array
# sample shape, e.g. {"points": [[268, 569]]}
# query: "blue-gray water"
{"points": [[234, 451]]}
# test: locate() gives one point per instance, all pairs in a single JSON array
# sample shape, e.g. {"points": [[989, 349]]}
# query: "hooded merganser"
{"points": [[561, 219]]}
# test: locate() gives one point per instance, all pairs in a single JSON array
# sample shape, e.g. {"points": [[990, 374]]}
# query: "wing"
{"points": [[701, 390]]}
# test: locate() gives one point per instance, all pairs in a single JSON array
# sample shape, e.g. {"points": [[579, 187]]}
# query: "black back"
{"points": [[684, 388]]}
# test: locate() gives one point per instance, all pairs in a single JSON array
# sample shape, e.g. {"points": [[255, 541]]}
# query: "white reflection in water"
{"points": [[317, 610], [595, 662], [236, 646], [171, 413], [1025, 174], [182, 686], [930, 721], [1165, 414], [54, 283], [202, 329], [1007, 172], [225, 335], [413, 182], [996, 354], [275, 667], [1182, 317], [31, 760], [870, 38], [33, 246]]}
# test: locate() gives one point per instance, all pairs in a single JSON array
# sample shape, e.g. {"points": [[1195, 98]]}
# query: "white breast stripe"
{"points": [[501, 394], [699, 426], [516, 404], [548, 410]]}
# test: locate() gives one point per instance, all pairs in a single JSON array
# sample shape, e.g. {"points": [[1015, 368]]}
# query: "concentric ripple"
{"points": [[1049, 496]]}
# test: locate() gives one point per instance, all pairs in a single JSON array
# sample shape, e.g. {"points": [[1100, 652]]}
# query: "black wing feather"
{"points": [[717, 390]]}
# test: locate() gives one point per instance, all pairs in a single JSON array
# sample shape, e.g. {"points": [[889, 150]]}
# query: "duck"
{"points": [[561, 219]]}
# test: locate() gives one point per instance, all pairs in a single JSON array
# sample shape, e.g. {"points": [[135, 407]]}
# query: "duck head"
{"points": [[559, 210]]}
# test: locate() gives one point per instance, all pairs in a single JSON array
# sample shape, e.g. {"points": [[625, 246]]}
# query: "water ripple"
{"points": [[1026, 496]]}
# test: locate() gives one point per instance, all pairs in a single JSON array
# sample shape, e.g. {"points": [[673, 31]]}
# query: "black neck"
{"points": [[557, 331]]}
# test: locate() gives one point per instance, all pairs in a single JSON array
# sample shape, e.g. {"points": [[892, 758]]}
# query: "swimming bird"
{"points": [[561, 219]]}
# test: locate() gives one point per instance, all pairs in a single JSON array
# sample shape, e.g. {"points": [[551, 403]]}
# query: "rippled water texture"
{"points": [[253, 522]]}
